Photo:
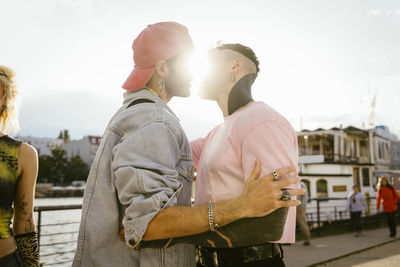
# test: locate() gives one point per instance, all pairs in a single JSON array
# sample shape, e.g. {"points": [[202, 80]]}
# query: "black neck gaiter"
{"points": [[240, 94]]}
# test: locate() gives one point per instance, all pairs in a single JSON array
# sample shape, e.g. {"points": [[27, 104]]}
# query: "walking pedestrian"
{"points": [[389, 197], [356, 204], [301, 218]]}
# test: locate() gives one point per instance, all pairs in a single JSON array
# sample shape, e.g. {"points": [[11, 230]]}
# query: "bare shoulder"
{"points": [[27, 153]]}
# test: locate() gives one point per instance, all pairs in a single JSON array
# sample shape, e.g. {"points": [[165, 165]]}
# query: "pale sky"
{"points": [[322, 61]]}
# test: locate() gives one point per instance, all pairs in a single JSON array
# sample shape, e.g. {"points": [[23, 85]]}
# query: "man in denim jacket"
{"points": [[139, 186]]}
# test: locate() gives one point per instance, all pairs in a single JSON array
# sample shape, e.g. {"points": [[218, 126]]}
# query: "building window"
{"points": [[375, 182], [387, 151], [365, 177], [302, 148], [315, 142], [302, 145], [328, 146], [380, 148], [346, 148], [356, 176], [322, 188], [354, 148], [315, 150], [363, 148]]}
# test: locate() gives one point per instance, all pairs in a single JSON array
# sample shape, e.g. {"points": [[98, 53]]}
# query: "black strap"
{"points": [[139, 101]]}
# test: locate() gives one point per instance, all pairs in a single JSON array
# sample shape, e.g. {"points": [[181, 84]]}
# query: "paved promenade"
{"points": [[327, 248]]}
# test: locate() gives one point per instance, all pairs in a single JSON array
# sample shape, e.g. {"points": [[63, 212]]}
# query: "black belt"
{"points": [[233, 256]]}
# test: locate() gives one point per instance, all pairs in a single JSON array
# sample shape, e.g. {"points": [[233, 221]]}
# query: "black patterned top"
{"points": [[9, 149]]}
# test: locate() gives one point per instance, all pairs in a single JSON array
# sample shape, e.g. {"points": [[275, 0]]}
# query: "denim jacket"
{"points": [[143, 165]]}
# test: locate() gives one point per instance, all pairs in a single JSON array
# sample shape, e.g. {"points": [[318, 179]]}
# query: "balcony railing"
{"points": [[330, 158]]}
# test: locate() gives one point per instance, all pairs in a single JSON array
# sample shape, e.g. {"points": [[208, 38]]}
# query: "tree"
{"points": [[77, 169], [59, 163], [58, 169], [52, 167], [44, 175], [64, 135]]}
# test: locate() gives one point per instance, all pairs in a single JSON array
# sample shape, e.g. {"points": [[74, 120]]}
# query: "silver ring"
{"points": [[275, 174], [286, 195]]}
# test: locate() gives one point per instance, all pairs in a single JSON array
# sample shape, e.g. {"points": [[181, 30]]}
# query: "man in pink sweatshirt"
{"points": [[251, 130]]}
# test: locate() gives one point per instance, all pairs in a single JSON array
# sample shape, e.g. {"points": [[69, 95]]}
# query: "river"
{"points": [[67, 224]]}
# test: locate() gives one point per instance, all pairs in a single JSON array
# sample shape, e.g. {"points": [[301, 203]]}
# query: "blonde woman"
{"points": [[18, 172]]}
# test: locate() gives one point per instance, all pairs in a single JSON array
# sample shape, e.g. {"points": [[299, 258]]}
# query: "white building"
{"points": [[43, 145], [332, 160], [85, 147]]}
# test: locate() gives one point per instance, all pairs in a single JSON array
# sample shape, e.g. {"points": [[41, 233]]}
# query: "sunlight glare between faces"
{"points": [[198, 68]]}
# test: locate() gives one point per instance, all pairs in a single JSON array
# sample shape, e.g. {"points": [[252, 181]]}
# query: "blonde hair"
{"points": [[9, 116]]}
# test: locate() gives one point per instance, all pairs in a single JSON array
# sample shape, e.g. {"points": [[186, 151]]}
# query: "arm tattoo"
{"points": [[29, 225], [22, 205]]}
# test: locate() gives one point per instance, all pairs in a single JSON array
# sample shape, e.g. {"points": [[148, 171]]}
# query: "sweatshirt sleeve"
{"points": [[378, 200], [349, 203], [364, 203], [273, 144], [197, 146], [396, 195]]}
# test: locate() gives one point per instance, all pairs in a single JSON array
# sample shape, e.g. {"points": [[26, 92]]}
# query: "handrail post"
{"points": [[318, 215], [39, 226], [335, 214]]}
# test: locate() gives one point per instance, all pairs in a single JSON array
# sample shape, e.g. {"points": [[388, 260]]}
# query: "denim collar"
{"points": [[129, 96]]}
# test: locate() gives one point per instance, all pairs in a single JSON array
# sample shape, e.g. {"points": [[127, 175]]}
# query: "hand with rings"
{"points": [[263, 195], [285, 194]]}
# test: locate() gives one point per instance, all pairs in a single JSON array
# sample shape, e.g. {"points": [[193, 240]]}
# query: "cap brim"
{"points": [[138, 78]]}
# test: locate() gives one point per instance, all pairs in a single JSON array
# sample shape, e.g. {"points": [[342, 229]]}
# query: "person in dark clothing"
{"points": [[356, 205]]}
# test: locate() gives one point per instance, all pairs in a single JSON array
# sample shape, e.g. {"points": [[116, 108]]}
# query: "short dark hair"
{"points": [[241, 49]]}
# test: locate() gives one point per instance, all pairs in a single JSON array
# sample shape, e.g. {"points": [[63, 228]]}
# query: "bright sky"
{"points": [[322, 61]]}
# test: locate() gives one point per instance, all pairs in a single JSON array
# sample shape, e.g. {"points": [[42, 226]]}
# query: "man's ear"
{"points": [[162, 68], [237, 65]]}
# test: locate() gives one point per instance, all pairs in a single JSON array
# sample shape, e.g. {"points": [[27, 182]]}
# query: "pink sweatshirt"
{"points": [[226, 156]]}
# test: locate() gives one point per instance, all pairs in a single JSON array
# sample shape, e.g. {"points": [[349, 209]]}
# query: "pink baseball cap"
{"points": [[160, 41]]}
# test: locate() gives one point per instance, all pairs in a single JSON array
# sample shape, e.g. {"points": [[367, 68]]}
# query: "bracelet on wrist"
{"points": [[213, 226]]}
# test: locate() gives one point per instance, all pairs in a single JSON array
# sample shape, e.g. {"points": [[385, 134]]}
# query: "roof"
{"points": [[349, 129]]}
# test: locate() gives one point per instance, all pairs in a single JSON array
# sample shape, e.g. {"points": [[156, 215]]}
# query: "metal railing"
{"points": [[328, 210], [320, 211], [49, 233]]}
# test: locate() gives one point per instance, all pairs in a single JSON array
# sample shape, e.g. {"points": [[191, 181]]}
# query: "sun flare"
{"points": [[198, 67]]}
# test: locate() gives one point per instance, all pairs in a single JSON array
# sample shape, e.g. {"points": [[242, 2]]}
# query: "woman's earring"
{"points": [[233, 78]]}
